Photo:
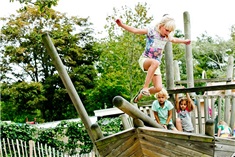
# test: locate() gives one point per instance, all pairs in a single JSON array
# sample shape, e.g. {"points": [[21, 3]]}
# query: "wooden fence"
{"points": [[19, 148]]}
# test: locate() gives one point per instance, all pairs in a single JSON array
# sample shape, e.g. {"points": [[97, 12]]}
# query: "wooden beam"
{"points": [[202, 89], [205, 80]]}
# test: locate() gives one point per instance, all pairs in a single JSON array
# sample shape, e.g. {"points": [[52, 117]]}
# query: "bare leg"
{"points": [[178, 124], [157, 82], [150, 65]]}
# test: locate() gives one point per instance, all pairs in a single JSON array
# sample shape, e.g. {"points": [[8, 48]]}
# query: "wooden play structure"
{"points": [[144, 137]]}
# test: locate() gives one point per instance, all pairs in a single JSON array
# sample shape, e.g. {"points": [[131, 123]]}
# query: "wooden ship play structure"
{"points": [[144, 137]]}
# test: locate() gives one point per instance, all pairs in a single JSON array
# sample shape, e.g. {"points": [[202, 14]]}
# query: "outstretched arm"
{"points": [[178, 40], [131, 29], [190, 103], [177, 106]]}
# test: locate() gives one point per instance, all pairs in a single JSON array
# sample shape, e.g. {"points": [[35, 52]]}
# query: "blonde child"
{"points": [[183, 108], [163, 109], [224, 130], [149, 61]]}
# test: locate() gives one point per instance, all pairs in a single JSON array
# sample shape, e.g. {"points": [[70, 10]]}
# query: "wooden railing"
{"points": [[19, 148]]}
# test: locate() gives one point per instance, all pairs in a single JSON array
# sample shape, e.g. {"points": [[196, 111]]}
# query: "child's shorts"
{"points": [[141, 63], [170, 126]]}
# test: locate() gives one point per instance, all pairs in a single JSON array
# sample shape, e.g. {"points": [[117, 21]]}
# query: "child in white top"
{"points": [[150, 60]]}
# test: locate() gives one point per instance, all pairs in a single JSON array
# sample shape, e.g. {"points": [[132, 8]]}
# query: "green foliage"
{"points": [[42, 4], [65, 137], [21, 131], [17, 102], [211, 55], [110, 126], [23, 49]]}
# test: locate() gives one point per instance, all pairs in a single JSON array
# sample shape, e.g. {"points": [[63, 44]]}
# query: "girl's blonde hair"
{"points": [[168, 22], [222, 123], [163, 92]]}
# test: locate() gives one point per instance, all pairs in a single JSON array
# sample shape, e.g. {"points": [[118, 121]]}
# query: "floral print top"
{"points": [[155, 44]]}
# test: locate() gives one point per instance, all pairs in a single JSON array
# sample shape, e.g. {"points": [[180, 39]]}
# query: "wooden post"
{"points": [[228, 92], [189, 56], [138, 123], [170, 74], [125, 121], [31, 144], [206, 108], [134, 112], [210, 127], [169, 66], [199, 114], [68, 84], [95, 128], [176, 70], [232, 118]]}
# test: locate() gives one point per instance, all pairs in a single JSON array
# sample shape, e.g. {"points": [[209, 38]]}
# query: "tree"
{"points": [[22, 48], [17, 102], [211, 55]]}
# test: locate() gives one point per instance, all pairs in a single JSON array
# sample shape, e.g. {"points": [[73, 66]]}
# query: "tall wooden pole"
{"points": [[170, 73], [230, 75], [68, 84], [189, 56], [169, 66]]}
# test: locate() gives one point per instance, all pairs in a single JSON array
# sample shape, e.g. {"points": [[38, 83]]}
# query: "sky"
{"points": [[214, 17]]}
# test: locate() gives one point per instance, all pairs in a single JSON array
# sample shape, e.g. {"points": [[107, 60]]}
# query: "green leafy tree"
{"points": [[211, 55], [22, 48], [17, 103]]}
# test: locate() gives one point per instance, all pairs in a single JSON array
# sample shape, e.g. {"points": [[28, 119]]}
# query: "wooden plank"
{"points": [[22, 147], [154, 145], [225, 141], [150, 153], [205, 80], [13, 145], [4, 146], [202, 89], [25, 148], [106, 149], [18, 147], [225, 148], [204, 148], [232, 118], [219, 153], [137, 153], [1, 152], [38, 146], [174, 134], [42, 150], [170, 146], [115, 137], [9, 146], [127, 149]]}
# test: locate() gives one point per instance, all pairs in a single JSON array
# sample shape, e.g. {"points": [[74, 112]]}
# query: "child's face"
{"points": [[161, 98], [183, 105], [164, 32]]}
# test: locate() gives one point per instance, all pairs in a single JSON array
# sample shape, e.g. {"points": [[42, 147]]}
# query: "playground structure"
{"points": [[146, 137]]}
